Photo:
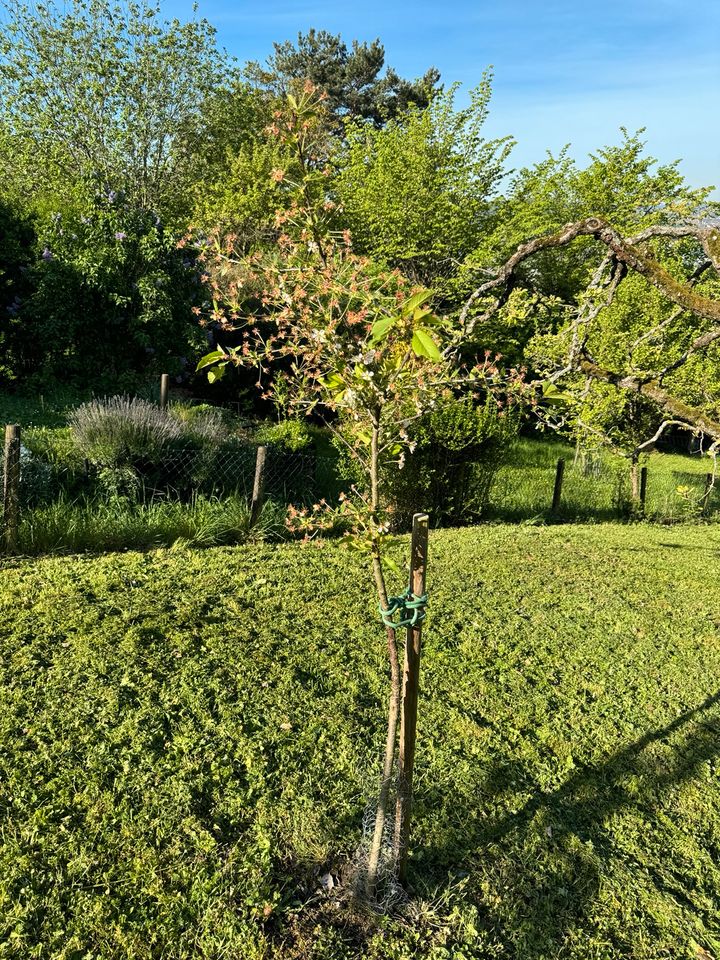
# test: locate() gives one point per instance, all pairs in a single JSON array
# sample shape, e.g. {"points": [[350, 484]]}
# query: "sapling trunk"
{"points": [[394, 703], [390, 741]]}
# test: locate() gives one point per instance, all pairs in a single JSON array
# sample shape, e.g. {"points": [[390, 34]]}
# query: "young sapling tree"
{"points": [[332, 334]]}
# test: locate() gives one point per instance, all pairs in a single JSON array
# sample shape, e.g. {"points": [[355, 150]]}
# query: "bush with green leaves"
{"points": [[454, 452], [288, 435], [17, 246], [203, 422], [113, 297]]}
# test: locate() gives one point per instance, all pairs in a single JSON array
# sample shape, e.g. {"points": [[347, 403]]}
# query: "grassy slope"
{"points": [[186, 737]]}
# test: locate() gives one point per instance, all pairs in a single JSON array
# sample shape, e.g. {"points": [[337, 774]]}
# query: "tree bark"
{"points": [[394, 702], [410, 695]]}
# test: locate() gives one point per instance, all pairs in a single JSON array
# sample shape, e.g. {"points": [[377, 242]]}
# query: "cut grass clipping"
{"points": [[188, 741]]}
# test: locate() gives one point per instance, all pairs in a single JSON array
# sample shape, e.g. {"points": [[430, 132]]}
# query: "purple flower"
{"points": [[120, 235], [47, 254]]}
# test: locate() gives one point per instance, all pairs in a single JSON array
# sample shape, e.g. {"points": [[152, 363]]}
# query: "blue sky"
{"points": [[565, 72]]}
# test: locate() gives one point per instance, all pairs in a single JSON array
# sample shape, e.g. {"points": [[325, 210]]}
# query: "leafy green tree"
{"points": [[420, 192], [100, 92], [351, 78], [621, 184], [231, 158], [17, 253], [112, 297], [638, 352], [329, 332]]}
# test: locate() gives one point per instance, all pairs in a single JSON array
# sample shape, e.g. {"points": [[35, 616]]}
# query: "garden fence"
{"points": [[600, 489], [573, 490]]}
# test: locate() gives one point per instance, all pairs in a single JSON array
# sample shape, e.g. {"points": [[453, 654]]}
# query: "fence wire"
{"points": [[593, 488], [182, 474], [597, 489]]}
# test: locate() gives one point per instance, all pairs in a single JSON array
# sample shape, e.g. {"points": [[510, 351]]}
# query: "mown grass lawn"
{"points": [[189, 739]]}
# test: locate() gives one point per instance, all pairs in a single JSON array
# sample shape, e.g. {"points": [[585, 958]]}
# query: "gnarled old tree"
{"points": [[641, 343]]}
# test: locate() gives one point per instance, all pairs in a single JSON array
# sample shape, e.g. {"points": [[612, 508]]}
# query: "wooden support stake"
{"points": [[643, 488], [11, 487], [557, 490], [258, 494], [410, 693], [164, 388]]}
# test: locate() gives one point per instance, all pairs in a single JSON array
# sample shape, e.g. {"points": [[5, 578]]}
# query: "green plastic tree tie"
{"points": [[409, 605]]}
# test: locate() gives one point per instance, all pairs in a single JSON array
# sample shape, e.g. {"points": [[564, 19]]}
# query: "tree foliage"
{"points": [[328, 331], [419, 193], [111, 297], [641, 343], [621, 184], [100, 91], [17, 246], [352, 79]]}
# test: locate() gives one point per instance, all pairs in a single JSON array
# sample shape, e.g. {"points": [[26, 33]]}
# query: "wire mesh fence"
{"points": [[600, 489], [79, 492]]}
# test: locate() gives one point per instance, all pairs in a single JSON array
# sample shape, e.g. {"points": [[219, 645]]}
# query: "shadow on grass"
{"points": [[552, 853], [659, 547]]}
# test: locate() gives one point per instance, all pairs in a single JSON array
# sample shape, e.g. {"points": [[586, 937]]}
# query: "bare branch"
{"points": [[648, 444]]}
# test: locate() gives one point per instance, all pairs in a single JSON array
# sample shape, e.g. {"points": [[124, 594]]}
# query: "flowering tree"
{"points": [[330, 332]]}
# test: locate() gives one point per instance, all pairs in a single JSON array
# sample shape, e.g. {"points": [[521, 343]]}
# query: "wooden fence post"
{"points": [[643, 488], [11, 487], [164, 388], [258, 493], [557, 489], [410, 692]]}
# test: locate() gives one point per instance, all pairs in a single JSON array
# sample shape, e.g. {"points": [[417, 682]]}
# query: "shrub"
{"points": [[112, 298], [203, 423], [457, 449], [17, 243], [290, 435], [54, 444], [122, 431]]}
